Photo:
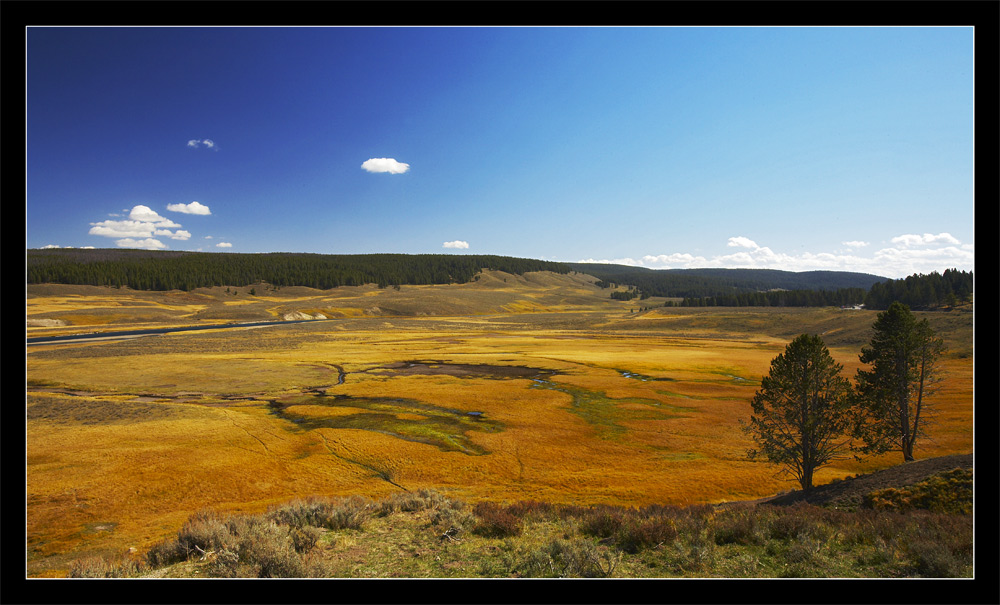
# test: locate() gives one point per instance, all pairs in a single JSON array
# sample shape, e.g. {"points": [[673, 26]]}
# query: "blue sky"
{"points": [[787, 148]]}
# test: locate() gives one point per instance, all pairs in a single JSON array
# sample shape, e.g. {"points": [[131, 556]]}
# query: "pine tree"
{"points": [[893, 393], [802, 413]]}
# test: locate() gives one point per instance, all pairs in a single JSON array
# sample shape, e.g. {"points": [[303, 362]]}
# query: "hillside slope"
{"points": [[57, 308], [850, 492]]}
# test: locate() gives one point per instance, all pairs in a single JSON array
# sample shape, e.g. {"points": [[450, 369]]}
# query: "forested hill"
{"points": [[692, 283], [173, 270], [169, 270]]}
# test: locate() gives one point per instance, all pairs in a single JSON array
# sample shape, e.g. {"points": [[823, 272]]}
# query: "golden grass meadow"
{"points": [[509, 388]]}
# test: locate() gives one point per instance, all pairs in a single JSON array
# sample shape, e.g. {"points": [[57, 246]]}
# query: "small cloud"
{"points": [[456, 244], [742, 242], [196, 143], [223, 245], [192, 208], [855, 244], [385, 165]]}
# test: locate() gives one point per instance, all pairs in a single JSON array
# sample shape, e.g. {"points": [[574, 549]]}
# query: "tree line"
{"points": [[781, 298], [702, 283], [918, 291], [806, 414], [172, 270], [169, 270]]}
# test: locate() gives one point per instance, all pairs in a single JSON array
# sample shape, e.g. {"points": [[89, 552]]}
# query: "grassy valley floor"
{"points": [[534, 389]]}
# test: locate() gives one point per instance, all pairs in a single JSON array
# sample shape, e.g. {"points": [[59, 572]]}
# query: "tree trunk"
{"points": [[807, 479]]}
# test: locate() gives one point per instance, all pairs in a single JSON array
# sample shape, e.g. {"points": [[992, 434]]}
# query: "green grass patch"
{"points": [[607, 414], [444, 428]]}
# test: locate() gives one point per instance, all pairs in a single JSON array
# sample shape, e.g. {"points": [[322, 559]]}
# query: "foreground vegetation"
{"points": [[425, 534]]}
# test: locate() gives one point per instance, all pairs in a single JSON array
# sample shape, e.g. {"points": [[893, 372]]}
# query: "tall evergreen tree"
{"points": [[801, 415], [893, 392]]}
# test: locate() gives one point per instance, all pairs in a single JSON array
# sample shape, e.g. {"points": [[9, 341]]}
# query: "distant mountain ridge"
{"points": [[690, 283], [165, 270]]}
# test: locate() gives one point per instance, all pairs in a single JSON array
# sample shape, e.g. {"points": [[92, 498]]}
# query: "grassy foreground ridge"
{"points": [[918, 530]]}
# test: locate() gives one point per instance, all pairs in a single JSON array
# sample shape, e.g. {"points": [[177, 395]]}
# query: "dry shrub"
{"points": [[938, 545], [532, 509], [422, 499], [205, 530], [349, 513], [310, 512], [799, 520], [261, 549], [603, 522], [99, 567], [495, 521], [736, 525], [454, 520], [641, 534], [249, 546], [342, 513], [561, 558], [632, 530], [934, 560], [304, 539]]}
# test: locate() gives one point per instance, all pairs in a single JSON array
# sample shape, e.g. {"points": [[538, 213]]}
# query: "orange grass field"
{"points": [[509, 396]]}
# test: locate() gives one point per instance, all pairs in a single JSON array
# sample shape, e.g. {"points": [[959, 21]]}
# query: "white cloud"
{"points": [[148, 243], [148, 215], [855, 244], [192, 208], [385, 165], [456, 244], [140, 229], [631, 262], [676, 261], [894, 262], [223, 245], [196, 143], [742, 242], [122, 229], [908, 240]]}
